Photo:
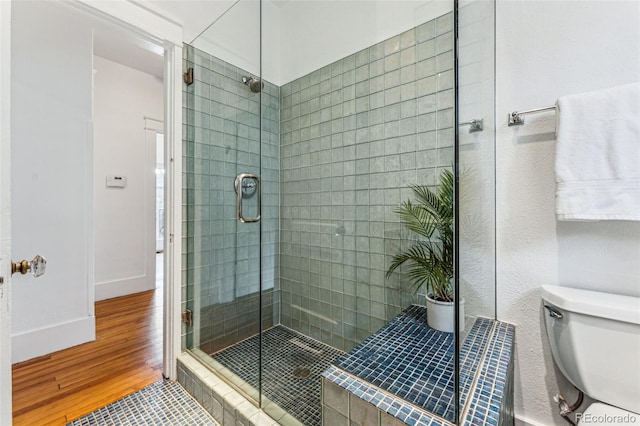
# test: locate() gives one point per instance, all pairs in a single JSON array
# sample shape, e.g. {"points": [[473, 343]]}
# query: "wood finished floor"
{"points": [[125, 357]]}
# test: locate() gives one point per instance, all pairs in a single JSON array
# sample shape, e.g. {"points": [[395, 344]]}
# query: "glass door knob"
{"points": [[37, 266]]}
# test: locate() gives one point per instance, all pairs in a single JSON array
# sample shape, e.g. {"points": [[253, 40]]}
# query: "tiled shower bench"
{"points": [[403, 374]]}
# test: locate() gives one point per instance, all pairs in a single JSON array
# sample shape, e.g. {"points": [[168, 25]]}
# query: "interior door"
{"points": [[5, 219], [52, 177]]}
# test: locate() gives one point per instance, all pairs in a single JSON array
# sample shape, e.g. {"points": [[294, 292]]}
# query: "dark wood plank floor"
{"points": [[125, 357]]}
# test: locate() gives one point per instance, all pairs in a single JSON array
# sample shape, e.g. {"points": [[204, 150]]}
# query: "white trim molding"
{"points": [[131, 285], [138, 18], [53, 338], [169, 34], [5, 212], [173, 211], [524, 421]]}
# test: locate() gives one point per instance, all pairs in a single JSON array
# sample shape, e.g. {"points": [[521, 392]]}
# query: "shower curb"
{"points": [[227, 406]]}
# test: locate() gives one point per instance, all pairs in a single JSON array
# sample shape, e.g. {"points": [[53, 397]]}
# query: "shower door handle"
{"points": [[248, 184]]}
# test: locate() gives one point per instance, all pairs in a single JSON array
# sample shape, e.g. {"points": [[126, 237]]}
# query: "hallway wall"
{"points": [[124, 217]]}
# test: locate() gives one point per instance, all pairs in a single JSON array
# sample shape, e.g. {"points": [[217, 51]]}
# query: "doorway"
{"points": [[55, 190]]}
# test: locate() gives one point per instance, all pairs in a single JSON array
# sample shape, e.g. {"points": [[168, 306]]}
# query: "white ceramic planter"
{"points": [[440, 315]]}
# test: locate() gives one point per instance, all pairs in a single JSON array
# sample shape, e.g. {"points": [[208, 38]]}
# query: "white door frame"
{"points": [[169, 35], [5, 213]]}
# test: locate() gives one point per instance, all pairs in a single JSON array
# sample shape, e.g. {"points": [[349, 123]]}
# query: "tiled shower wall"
{"points": [[354, 135], [223, 124]]}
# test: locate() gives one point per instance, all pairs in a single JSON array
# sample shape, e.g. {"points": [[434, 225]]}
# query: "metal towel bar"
{"points": [[475, 125], [516, 117]]}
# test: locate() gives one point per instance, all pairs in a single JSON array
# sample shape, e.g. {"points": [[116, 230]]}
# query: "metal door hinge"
{"points": [[188, 76], [187, 317]]}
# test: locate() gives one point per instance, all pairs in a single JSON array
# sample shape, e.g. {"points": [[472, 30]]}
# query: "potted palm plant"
{"points": [[430, 258]]}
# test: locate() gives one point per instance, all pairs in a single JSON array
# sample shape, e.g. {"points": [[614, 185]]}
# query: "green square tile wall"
{"points": [[354, 135], [340, 147], [225, 125]]}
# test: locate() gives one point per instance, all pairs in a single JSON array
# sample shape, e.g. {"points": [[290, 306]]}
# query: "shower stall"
{"points": [[305, 125]]}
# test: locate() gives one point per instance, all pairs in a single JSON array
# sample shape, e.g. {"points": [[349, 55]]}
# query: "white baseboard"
{"points": [[523, 421], [43, 341], [123, 287]]}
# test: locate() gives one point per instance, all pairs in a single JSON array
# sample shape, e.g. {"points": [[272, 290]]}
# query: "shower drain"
{"points": [[301, 372]]}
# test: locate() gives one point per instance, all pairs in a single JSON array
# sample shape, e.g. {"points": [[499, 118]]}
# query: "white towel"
{"points": [[598, 155]]}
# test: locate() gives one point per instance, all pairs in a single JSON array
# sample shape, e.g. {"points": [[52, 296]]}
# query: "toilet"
{"points": [[595, 341]]}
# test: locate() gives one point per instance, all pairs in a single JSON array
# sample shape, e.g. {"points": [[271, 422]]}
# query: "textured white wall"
{"points": [[317, 33], [235, 37], [124, 217], [301, 36], [546, 49]]}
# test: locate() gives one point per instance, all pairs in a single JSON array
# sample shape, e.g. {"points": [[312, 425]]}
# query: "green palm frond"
{"points": [[416, 218], [430, 259]]}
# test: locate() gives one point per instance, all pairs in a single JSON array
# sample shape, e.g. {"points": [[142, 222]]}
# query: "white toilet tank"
{"points": [[595, 341]]}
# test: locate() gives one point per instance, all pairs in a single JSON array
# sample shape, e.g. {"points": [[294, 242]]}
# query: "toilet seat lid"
{"points": [[603, 414]]}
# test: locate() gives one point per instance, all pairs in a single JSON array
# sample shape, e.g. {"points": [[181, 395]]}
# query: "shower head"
{"points": [[254, 84]]}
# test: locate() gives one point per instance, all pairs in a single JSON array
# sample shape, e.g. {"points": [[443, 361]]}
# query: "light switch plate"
{"points": [[116, 181]]}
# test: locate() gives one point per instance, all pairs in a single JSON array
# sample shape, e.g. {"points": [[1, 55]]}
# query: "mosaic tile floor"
{"points": [[288, 355], [162, 403], [383, 360]]}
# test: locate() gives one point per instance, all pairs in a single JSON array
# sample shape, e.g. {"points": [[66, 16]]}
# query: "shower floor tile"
{"points": [[162, 403], [291, 370]]}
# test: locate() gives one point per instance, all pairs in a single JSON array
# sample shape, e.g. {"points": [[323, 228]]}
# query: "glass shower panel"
{"points": [[224, 196], [476, 96], [358, 128], [363, 118]]}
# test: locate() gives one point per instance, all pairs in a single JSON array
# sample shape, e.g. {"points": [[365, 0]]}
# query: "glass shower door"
{"points": [[223, 198]]}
